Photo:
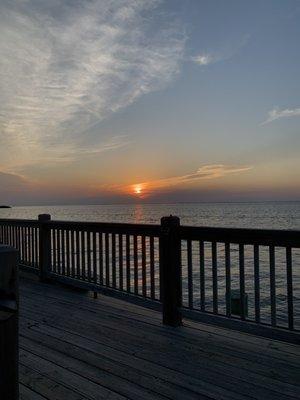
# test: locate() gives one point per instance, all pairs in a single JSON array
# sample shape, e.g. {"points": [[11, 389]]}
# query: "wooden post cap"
{"points": [[44, 217], [171, 220]]}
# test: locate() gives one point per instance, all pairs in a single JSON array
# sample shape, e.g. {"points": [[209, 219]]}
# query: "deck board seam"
{"points": [[185, 342], [111, 373], [218, 333], [241, 380]]}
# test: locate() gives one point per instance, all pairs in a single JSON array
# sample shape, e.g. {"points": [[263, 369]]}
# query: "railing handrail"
{"points": [[111, 227], [13, 221], [251, 236]]}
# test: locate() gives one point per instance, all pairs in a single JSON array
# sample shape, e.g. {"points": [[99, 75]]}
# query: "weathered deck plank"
{"points": [[75, 347]]}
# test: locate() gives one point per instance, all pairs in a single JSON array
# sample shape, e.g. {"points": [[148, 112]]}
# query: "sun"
{"points": [[137, 189]]}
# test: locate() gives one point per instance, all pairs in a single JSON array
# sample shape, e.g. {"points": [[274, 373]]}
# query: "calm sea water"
{"points": [[281, 215], [245, 215]]}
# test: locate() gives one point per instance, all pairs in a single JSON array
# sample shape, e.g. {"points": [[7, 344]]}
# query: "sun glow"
{"points": [[137, 189]]}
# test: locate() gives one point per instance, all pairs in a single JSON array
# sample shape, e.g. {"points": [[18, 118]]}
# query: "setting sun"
{"points": [[138, 189]]}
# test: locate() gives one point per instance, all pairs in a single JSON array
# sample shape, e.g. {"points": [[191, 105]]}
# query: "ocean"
{"points": [[268, 215]]}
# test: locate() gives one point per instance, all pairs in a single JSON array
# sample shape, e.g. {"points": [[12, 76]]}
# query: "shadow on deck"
{"points": [[75, 347]]}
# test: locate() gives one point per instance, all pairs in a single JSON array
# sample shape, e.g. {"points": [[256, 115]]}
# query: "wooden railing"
{"points": [[250, 273], [239, 278], [24, 236], [122, 257]]}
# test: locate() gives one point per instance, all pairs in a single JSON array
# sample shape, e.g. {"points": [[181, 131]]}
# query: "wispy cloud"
{"points": [[203, 59], [276, 113], [205, 172], [65, 66], [224, 51], [67, 152]]}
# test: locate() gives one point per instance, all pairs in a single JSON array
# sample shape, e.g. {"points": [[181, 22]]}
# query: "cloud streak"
{"points": [[224, 52], [276, 113], [205, 172], [65, 66], [203, 59]]}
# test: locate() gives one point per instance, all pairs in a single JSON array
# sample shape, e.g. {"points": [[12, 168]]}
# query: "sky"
{"points": [[117, 101]]}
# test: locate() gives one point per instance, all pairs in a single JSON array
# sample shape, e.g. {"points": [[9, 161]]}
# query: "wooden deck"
{"points": [[73, 347]]}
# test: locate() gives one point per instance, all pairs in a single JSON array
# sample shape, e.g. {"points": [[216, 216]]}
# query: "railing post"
{"points": [[44, 246], [170, 271], [9, 348]]}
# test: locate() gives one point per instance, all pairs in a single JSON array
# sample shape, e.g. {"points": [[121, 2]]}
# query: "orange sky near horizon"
{"points": [[135, 104]]}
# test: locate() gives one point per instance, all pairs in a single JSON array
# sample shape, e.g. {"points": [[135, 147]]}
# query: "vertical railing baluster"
{"points": [[228, 279], [25, 241], [120, 261], [29, 245], [12, 235], [242, 280], [135, 265], [15, 236], [107, 259], [94, 257], [202, 276], [113, 259], [72, 238], [37, 230], [256, 284], [32, 247], [100, 246], [190, 274], [128, 275], [63, 253], [215, 277], [89, 258], [77, 240], [289, 277], [26, 244], [144, 274], [53, 250], [83, 255], [68, 252], [272, 285], [59, 269], [18, 239], [23, 245], [6, 234], [9, 234], [152, 272]]}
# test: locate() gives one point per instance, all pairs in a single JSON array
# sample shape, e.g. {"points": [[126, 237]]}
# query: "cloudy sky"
{"points": [[149, 100]]}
